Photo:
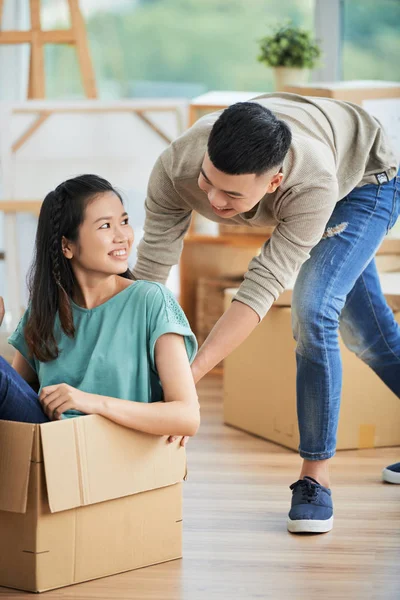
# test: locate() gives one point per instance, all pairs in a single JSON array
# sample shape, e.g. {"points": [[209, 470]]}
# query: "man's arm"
{"points": [[167, 221], [229, 332], [302, 222]]}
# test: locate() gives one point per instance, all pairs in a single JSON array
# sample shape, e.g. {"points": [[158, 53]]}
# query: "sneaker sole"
{"points": [[390, 476], [309, 525]]}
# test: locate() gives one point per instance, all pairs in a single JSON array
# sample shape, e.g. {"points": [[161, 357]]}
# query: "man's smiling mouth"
{"points": [[221, 209]]}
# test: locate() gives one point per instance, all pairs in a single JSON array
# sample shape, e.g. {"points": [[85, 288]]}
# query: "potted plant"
{"points": [[291, 52]]}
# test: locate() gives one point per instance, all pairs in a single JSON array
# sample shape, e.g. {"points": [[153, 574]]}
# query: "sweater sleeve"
{"points": [[167, 221], [302, 220]]}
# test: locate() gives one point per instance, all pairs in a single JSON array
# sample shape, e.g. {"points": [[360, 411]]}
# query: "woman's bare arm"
{"points": [[179, 414]]}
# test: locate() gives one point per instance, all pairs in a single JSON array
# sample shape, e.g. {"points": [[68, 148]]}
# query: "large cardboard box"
{"points": [[356, 91], [260, 389], [380, 98], [84, 498]]}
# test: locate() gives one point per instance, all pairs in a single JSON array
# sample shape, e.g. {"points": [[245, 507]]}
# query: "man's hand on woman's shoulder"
{"points": [[184, 440]]}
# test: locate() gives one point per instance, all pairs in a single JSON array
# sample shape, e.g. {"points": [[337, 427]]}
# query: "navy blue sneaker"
{"points": [[312, 508], [392, 473]]}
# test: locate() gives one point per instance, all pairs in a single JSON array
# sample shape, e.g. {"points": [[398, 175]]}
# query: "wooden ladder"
{"points": [[37, 38]]}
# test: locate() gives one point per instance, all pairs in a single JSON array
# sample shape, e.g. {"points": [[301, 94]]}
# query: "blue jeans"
{"points": [[339, 288], [18, 401]]}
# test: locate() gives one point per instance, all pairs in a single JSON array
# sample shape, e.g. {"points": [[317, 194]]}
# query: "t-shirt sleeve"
{"points": [[166, 316], [17, 340]]}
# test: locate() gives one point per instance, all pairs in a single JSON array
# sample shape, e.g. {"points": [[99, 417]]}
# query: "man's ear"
{"points": [[275, 182], [66, 248]]}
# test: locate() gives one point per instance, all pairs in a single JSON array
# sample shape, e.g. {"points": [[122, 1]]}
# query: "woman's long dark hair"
{"points": [[51, 280]]}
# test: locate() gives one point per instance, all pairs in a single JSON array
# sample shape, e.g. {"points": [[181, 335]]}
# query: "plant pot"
{"points": [[289, 76]]}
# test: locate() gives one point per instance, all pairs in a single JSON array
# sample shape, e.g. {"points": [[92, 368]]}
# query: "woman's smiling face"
{"points": [[105, 237]]}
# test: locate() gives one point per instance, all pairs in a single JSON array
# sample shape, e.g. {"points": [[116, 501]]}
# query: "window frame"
{"points": [[328, 25]]}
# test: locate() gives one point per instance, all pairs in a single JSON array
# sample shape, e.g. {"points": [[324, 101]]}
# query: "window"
{"points": [[370, 34], [168, 48]]}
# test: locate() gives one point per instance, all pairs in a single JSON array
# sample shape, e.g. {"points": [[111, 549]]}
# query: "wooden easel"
{"points": [[37, 38]]}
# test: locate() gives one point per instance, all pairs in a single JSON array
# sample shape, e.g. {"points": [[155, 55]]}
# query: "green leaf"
{"points": [[289, 46]]}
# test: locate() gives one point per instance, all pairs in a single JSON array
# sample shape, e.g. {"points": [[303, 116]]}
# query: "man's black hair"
{"points": [[248, 138]]}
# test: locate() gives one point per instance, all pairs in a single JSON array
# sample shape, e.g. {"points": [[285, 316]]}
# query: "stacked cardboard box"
{"points": [[84, 498], [260, 385]]}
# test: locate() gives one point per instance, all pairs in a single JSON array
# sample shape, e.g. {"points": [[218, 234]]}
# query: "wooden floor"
{"points": [[235, 541]]}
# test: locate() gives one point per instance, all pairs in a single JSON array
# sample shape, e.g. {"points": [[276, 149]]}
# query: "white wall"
{"points": [[119, 147]]}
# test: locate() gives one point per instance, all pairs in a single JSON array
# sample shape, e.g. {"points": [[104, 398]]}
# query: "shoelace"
{"points": [[309, 490]]}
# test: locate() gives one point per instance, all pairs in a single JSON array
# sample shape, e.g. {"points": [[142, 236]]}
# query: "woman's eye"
{"points": [[107, 225]]}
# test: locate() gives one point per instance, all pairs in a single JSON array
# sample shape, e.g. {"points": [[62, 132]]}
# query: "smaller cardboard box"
{"points": [[84, 498], [260, 387], [350, 91]]}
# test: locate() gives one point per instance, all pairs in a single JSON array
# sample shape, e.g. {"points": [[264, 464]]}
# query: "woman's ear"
{"points": [[66, 248]]}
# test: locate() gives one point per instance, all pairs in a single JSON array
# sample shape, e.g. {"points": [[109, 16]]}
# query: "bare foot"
{"points": [[2, 310]]}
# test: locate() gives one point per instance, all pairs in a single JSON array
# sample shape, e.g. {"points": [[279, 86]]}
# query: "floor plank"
{"points": [[235, 541]]}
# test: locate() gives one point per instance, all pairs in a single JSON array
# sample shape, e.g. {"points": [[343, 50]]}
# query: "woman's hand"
{"points": [[2, 310], [196, 370], [56, 399]]}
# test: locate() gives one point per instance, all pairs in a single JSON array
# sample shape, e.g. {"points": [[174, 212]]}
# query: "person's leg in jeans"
{"points": [[18, 401], [369, 329], [356, 229], [378, 345]]}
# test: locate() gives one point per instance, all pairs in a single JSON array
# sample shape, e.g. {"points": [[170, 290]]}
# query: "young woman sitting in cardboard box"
{"points": [[93, 340]]}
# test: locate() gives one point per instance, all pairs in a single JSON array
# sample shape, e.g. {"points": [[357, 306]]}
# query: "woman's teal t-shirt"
{"points": [[112, 353]]}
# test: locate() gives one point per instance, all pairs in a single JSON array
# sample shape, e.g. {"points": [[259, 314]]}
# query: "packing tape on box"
{"points": [[366, 436]]}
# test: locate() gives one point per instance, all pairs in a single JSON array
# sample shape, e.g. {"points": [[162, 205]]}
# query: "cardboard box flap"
{"points": [[91, 459], [16, 441]]}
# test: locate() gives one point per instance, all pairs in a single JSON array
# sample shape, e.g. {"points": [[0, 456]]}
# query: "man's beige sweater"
{"points": [[336, 147]]}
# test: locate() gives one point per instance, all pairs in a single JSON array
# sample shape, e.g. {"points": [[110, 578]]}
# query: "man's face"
{"points": [[230, 195]]}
